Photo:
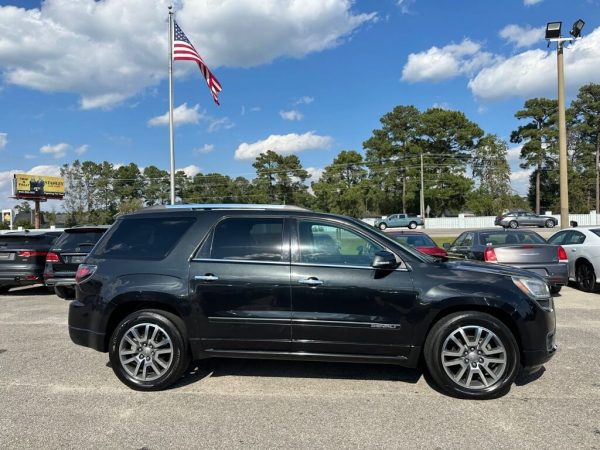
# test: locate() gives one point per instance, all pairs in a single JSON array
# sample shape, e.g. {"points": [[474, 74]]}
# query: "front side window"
{"points": [[332, 245], [248, 239], [468, 242]]}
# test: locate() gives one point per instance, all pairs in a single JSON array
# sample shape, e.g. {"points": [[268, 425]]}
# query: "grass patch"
{"points": [[440, 240]]}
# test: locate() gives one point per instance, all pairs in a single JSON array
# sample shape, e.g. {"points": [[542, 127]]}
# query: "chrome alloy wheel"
{"points": [[146, 352], [474, 357]]}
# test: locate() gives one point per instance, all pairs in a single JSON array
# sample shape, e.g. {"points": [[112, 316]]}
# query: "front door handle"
{"points": [[311, 281], [207, 277]]}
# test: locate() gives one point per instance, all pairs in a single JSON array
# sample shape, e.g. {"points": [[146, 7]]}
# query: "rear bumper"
{"points": [[25, 278], [54, 281], [87, 338], [81, 322], [555, 274]]}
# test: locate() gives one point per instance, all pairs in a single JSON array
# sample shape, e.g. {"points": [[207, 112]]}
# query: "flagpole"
{"points": [[171, 136]]}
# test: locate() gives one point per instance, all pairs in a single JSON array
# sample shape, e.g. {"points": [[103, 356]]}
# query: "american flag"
{"points": [[183, 50]]}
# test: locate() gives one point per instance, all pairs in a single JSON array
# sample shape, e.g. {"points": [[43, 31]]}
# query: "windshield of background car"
{"points": [[78, 241], [516, 237], [143, 238], [414, 240], [20, 241], [394, 243]]}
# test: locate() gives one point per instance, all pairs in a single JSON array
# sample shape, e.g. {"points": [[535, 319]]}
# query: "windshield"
{"points": [[19, 241], [78, 241], [395, 244], [414, 240]]}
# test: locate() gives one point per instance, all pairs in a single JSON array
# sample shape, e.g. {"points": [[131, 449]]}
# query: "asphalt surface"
{"points": [[54, 394]]}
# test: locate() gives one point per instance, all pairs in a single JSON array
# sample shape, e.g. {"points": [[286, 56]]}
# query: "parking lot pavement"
{"points": [[54, 394]]}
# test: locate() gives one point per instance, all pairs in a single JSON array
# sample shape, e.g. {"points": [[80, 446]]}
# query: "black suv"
{"points": [[22, 257], [67, 252], [170, 284]]}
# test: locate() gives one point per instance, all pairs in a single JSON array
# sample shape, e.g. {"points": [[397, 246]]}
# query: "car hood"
{"points": [[489, 268]]}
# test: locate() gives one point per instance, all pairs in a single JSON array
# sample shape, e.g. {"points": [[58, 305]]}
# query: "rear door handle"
{"points": [[207, 277], [311, 281]]}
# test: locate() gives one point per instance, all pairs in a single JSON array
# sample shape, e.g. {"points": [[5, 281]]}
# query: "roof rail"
{"points": [[234, 206]]}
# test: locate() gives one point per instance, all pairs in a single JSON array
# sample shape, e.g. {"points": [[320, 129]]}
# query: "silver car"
{"points": [[516, 219]]}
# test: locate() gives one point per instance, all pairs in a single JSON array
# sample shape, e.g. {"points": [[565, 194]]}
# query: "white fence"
{"points": [[488, 221]]}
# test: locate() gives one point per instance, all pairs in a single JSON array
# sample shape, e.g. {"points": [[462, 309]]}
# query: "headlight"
{"points": [[534, 288]]}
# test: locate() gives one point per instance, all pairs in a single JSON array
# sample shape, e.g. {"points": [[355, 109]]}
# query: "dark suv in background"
{"points": [[170, 284], [68, 251], [22, 257]]}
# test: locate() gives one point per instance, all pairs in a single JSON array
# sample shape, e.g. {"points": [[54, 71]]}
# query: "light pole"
{"points": [[553, 35]]}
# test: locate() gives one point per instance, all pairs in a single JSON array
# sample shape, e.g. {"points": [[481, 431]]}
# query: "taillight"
{"points": [[31, 253], [84, 271], [562, 255], [489, 255], [52, 257]]}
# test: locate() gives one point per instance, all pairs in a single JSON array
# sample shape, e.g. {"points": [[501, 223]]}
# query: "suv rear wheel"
{"points": [[472, 355], [147, 350]]}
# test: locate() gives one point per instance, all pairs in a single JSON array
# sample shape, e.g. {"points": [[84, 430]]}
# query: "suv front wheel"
{"points": [[472, 355], [147, 350]]}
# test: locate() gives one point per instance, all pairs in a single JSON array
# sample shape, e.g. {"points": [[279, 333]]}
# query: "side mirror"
{"points": [[384, 260], [446, 245]]}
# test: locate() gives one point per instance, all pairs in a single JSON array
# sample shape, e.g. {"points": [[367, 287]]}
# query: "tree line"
{"points": [[464, 168]]}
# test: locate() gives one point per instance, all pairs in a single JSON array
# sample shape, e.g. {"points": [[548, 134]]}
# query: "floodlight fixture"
{"points": [[553, 30], [576, 29]]}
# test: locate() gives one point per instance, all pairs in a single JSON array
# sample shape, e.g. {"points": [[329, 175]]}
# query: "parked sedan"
{"points": [[420, 241], [517, 248], [22, 257], [516, 219], [583, 247], [69, 250]]}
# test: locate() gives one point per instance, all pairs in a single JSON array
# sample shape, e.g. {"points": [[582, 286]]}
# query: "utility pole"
{"points": [[422, 191]]}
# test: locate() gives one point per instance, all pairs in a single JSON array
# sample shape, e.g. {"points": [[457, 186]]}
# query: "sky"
{"points": [[88, 80]]}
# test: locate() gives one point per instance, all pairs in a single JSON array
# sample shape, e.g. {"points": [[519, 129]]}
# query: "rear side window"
{"points": [[145, 239], [78, 241], [250, 239]]}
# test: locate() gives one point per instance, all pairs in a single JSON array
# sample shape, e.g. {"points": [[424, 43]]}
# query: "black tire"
{"points": [[550, 223], [513, 224], [555, 289], [65, 292], [449, 325], [586, 277], [173, 327], [382, 226], [412, 225]]}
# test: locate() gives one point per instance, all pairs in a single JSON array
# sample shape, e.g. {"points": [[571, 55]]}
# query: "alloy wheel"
{"points": [[474, 357], [585, 277], [146, 352]]}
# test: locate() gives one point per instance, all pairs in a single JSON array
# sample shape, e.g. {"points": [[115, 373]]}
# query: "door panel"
{"points": [[342, 305], [241, 284]]}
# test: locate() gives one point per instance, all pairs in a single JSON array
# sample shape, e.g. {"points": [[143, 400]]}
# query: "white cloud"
{"points": [[3, 140], [218, 124], [291, 115], [304, 100], [57, 150], [405, 6], [533, 72], [437, 64], [190, 170], [514, 154], [314, 174], [82, 149], [522, 36], [442, 105], [181, 115], [283, 144], [29, 156], [531, 2], [107, 51], [519, 180], [206, 148]]}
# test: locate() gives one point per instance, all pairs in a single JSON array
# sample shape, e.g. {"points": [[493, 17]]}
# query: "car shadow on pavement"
{"points": [[216, 367], [526, 378]]}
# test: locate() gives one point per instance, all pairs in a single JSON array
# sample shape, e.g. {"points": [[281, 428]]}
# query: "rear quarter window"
{"points": [[143, 238]]}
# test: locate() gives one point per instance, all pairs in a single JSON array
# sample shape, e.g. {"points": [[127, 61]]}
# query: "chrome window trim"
{"points": [[257, 261], [249, 261]]}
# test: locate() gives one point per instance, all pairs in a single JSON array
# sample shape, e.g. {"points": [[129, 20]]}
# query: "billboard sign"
{"points": [[38, 187]]}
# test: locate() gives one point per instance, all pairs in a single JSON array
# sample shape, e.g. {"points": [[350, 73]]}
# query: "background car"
{"points": [[23, 256], [583, 247], [420, 241], [399, 220], [516, 219], [518, 248], [67, 252]]}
